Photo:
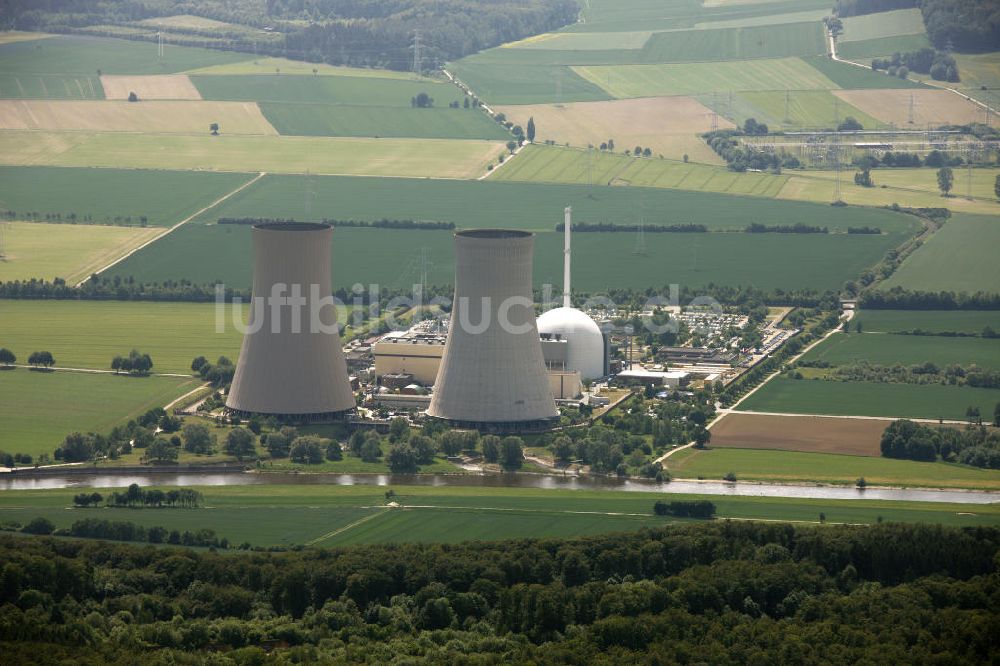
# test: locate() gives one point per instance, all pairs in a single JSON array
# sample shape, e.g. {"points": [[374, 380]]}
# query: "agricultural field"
{"points": [[805, 16], [979, 71], [624, 81], [41, 408], [189, 22], [88, 334], [12, 36], [882, 24], [111, 196], [887, 349], [928, 401], [583, 41], [924, 181], [571, 165], [69, 55], [850, 77], [623, 15], [49, 86], [154, 117], [381, 121], [70, 251], [781, 41], [800, 109], [809, 434], [932, 321], [667, 125], [532, 206], [932, 267], [915, 188], [415, 158], [354, 90], [329, 515], [930, 107], [285, 66], [514, 83], [154, 86], [391, 258], [882, 47], [799, 467]]}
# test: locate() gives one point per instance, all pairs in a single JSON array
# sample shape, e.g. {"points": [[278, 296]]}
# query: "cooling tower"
{"points": [[492, 376], [291, 363]]}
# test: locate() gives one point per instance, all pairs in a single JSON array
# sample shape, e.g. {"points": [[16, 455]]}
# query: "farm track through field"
{"points": [[207, 208], [341, 530]]}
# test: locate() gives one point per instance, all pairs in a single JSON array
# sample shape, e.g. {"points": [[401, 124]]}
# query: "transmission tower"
{"points": [[416, 52], [159, 44], [308, 195], [836, 111], [913, 104], [970, 155], [836, 157], [3, 240], [786, 107]]}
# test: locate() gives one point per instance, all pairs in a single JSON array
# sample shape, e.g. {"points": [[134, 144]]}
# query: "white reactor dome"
{"points": [[583, 336]]}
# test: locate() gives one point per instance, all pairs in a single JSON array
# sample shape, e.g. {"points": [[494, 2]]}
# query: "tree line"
{"points": [[612, 227], [972, 445], [941, 66], [373, 224], [717, 592], [797, 228], [898, 298]]}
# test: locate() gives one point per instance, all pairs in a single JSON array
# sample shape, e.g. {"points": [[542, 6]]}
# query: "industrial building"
{"points": [[493, 377], [287, 366]]}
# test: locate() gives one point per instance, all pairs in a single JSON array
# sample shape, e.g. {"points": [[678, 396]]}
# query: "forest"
{"points": [[715, 592], [364, 33]]}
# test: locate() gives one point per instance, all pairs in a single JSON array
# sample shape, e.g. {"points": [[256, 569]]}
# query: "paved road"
{"points": [[94, 371]]}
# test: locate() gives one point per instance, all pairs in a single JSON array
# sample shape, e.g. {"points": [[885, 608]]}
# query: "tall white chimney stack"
{"points": [[567, 252]]}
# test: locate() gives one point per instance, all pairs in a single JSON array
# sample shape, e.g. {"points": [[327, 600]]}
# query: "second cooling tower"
{"points": [[492, 374], [291, 364]]}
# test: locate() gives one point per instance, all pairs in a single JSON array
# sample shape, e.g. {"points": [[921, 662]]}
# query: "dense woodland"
{"points": [[366, 33], [714, 592], [963, 25]]}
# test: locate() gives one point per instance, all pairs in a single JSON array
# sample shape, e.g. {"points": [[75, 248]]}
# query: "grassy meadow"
{"points": [[49, 86], [930, 401], [850, 77], [330, 515], [353, 90], [801, 467], [932, 267], [882, 47], [41, 408], [110, 196], [805, 109], [883, 349], [513, 83], [883, 24], [70, 251], [746, 43], [88, 334], [936, 321]]}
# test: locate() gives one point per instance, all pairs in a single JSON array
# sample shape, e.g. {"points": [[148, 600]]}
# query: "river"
{"points": [[537, 481]]}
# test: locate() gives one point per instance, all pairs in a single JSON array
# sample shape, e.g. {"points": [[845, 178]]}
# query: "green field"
{"points": [[67, 55], [164, 197], [297, 67], [796, 109], [850, 77], [973, 239], [414, 158], [622, 15], [772, 41], [801, 467], [884, 46], [49, 86], [882, 24], [88, 334], [72, 252], [40, 408], [883, 349], [514, 83], [624, 81], [381, 121], [570, 165], [936, 321], [330, 515], [354, 90], [930, 401], [392, 258]]}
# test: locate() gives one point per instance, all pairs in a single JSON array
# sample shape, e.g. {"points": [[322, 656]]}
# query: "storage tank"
{"points": [[291, 364], [492, 376]]}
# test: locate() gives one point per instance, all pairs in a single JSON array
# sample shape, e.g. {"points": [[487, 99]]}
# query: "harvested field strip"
{"points": [[155, 117], [416, 158], [929, 106], [815, 434], [156, 86]]}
